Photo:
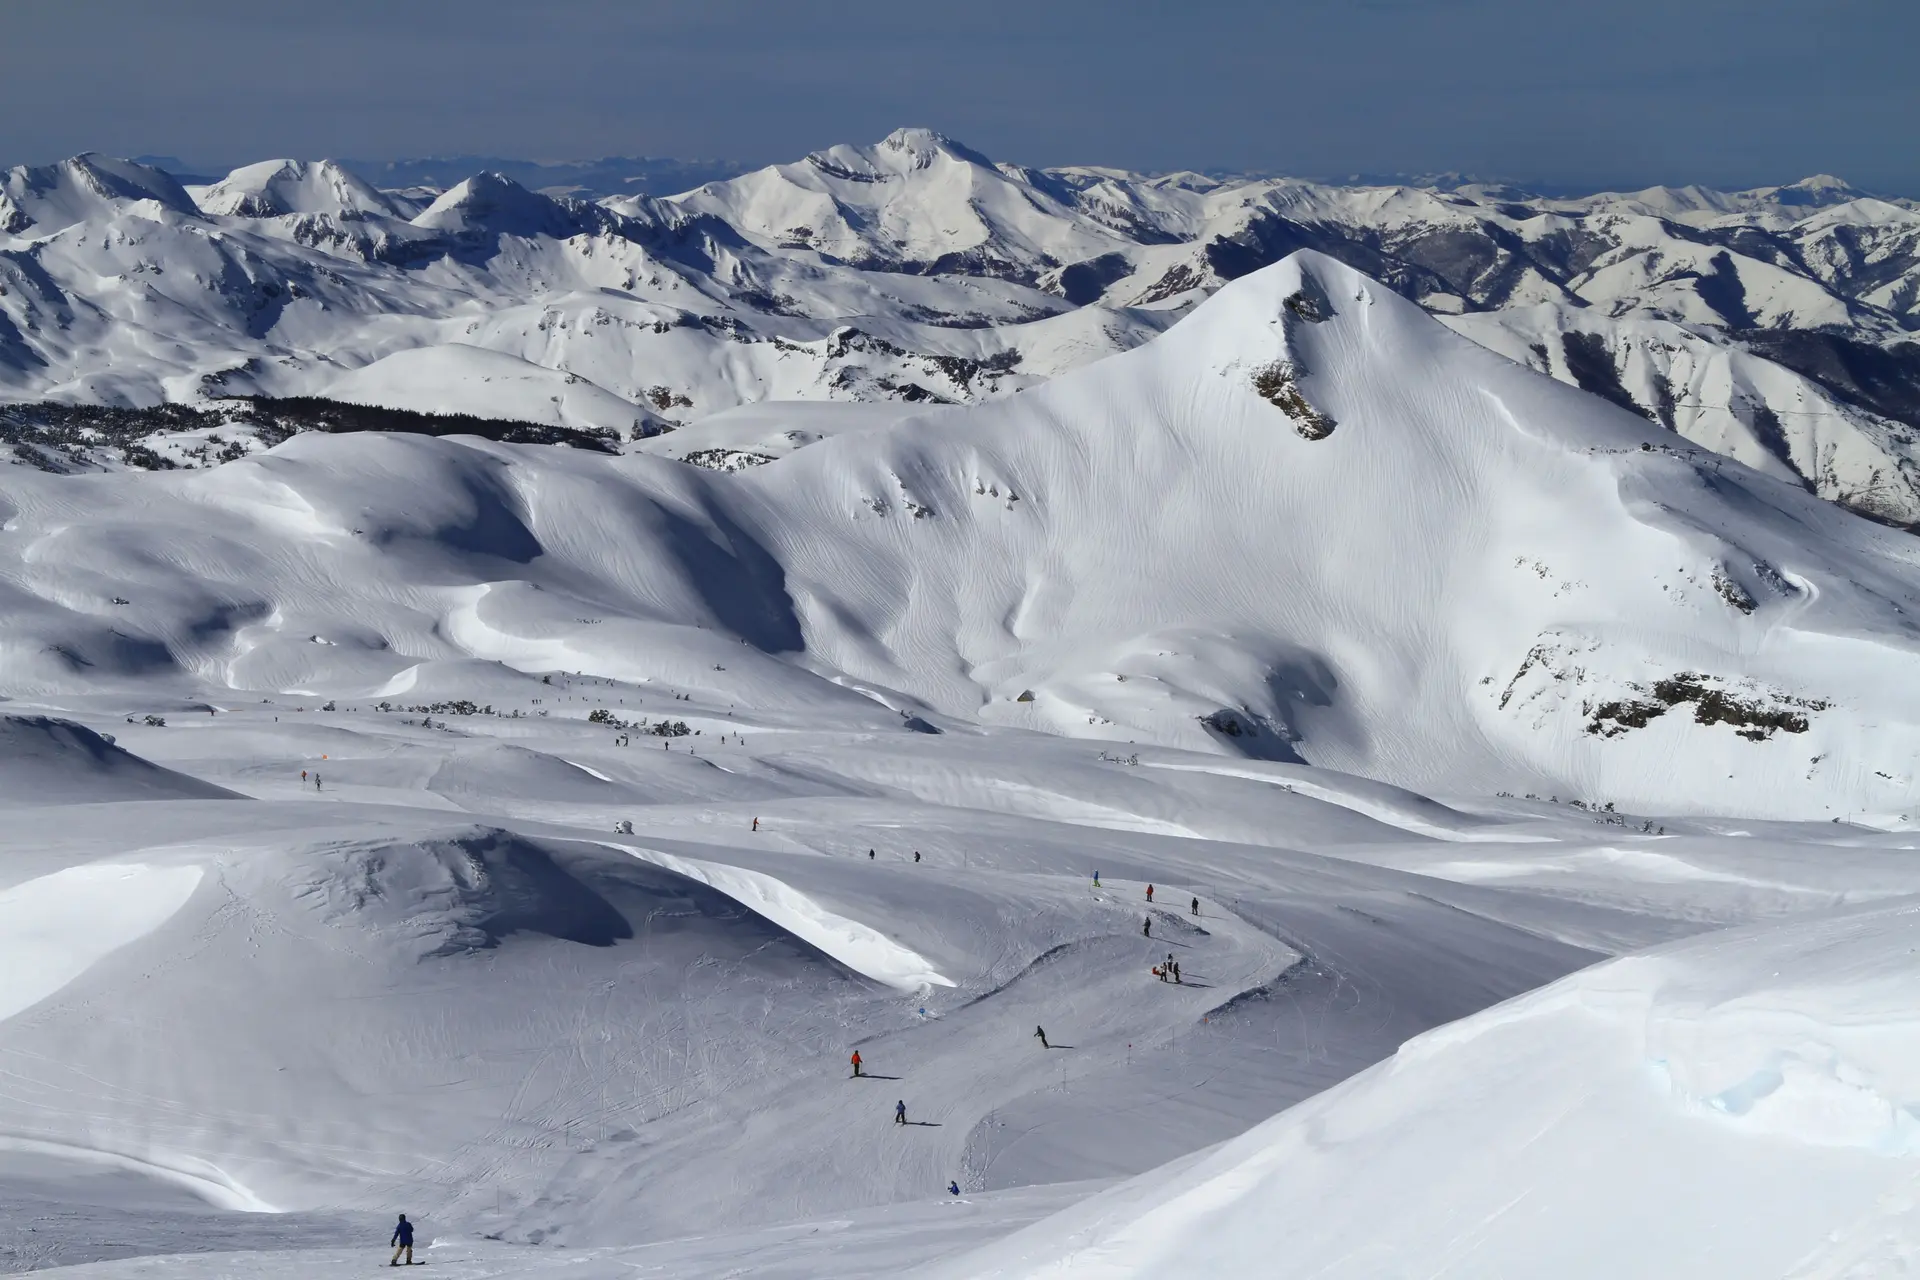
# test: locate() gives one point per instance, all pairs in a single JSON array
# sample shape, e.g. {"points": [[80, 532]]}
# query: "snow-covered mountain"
{"points": [[1308, 522], [1775, 324]]}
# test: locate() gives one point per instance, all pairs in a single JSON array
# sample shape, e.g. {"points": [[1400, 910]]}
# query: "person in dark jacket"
{"points": [[402, 1241], [1041, 1032], [1146, 926], [900, 1112]]}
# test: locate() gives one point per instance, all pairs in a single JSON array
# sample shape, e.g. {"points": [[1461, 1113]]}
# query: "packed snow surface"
{"points": [[525, 839]]}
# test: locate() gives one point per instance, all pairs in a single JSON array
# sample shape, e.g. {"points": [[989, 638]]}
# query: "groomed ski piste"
{"points": [[524, 839]]}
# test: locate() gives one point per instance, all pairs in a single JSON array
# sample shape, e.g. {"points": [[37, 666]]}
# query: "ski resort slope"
{"points": [[525, 838], [1735, 1105], [473, 1001]]}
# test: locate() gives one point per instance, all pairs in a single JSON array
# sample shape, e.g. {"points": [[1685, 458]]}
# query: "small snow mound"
{"points": [[44, 761], [468, 890]]}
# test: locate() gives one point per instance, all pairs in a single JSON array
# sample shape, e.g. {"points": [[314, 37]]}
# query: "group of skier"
{"points": [[1167, 970]]}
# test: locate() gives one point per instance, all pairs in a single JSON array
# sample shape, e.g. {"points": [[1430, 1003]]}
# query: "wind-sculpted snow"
{"points": [[56, 927]]}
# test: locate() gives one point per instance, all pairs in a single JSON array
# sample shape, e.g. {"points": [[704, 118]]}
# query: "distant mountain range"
{"points": [[1779, 325], [584, 179]]}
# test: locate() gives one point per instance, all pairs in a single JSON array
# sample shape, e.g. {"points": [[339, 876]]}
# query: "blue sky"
{"points": [[1624, 92]]}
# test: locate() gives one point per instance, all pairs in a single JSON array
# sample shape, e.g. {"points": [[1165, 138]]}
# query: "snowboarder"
{"points": [[1041, 1034], [1149, 893], [953, 1188], [900, 1112], [1176, 972], [756, 824], [869, 855], [402, 1241], [1146, 926], [856, 1064], [1196, 906], [916, 855]]}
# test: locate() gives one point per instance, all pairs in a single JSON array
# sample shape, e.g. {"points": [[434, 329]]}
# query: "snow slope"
{"points": [[1742, 1100], [457, 378], [48, 761]]}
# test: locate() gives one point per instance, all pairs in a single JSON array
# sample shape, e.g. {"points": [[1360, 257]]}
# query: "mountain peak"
{"points": [[273, 188], [493, 202], [50, 197]]}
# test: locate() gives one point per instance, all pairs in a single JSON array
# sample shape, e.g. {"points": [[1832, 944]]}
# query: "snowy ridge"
{"points": [[917, 270]]}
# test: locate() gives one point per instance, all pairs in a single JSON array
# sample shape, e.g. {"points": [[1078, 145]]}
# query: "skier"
{"points": [[1159, 973], [953, 1188], [1146, 926], [756, 824], [856, 1064], [916, 855], [1149, 893], [1096, 879], [1041, 1034], [402, 1241], [869, 855], [1176, 972], [316, 782], [900, 1112], [303, 777], [1196, 906]]}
